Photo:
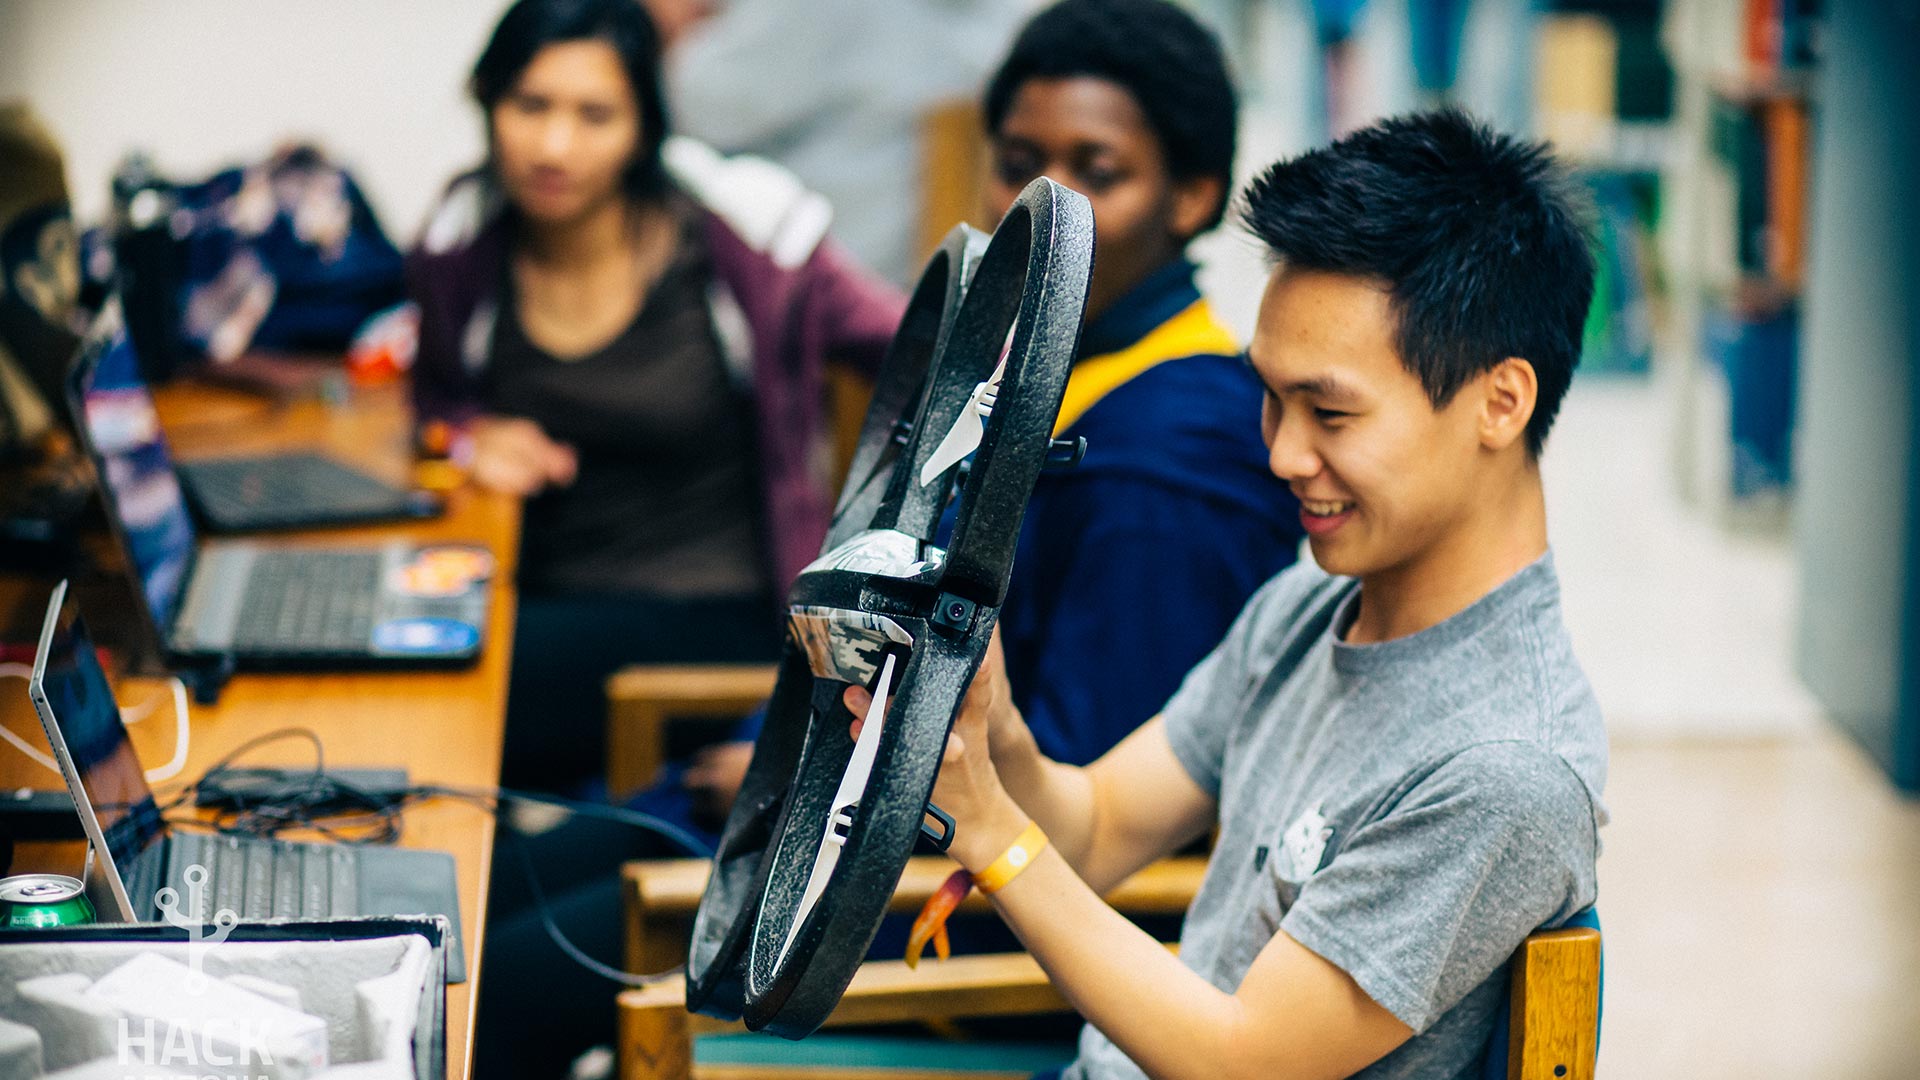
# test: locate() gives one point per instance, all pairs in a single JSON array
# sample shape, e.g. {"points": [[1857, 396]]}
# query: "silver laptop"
{"points": [[136, 854]]}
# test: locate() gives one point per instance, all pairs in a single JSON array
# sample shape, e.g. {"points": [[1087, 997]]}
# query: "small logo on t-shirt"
{"points": [[1303, 845]]}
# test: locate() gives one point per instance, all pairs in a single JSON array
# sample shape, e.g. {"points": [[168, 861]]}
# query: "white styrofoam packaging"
{"points": [[73, 1027], [347, 999], [172, 1010], [20, 1054]]}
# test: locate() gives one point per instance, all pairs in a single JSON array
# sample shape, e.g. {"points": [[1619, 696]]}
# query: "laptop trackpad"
{"points": [[399, 881]]}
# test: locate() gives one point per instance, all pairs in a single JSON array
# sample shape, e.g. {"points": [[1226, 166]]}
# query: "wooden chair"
{"points": [[656, 1031], [660, 895], [953, 170], [1554, 1011], [643, 700]]}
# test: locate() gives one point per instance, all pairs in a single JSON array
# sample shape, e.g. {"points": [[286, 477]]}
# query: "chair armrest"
{"points": [[660, 896], [888, 991], [656, 1031], [641, 700], [1555, 1006], [992, 984], [672, 887]]}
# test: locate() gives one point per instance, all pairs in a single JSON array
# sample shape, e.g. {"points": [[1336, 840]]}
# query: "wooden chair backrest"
{"points": [[1554, 1006], [1555, 994]]}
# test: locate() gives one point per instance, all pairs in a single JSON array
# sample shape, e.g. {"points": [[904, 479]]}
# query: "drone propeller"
{"points": [[963, 437]]}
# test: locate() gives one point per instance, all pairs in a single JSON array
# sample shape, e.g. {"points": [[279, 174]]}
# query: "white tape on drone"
{"points": [[885, 553], [842, 644]]}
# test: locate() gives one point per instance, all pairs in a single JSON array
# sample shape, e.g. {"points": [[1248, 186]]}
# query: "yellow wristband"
{"points": [[1019, 855]]}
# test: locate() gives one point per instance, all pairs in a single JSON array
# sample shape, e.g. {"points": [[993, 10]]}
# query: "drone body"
{"points": [[825, 823]]}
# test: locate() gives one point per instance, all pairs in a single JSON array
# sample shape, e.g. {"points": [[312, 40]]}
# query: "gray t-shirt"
{"points": [[1409, 810]]}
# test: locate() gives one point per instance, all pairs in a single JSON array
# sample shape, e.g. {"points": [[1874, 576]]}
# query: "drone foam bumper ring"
{"points": [[824, 823]]}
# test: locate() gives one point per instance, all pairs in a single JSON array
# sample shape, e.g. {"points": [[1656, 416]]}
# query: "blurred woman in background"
{"points": [[630, 332]]}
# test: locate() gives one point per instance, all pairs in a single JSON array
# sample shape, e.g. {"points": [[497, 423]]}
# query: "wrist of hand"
{"points": [[1014, 861], [977, 843]]}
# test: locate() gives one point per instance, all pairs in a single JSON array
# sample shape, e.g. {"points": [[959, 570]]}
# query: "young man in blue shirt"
{"points": [[1131, 565]]}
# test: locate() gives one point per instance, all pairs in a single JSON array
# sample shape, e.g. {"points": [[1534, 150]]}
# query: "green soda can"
{"points": [[43, 901]]}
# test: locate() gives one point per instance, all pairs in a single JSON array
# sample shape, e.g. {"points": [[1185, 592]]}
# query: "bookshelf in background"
{"points": [[1733, 243], [1603, 97]]}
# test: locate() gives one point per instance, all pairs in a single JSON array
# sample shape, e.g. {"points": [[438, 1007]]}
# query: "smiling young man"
{"points": [[1400, 751]]}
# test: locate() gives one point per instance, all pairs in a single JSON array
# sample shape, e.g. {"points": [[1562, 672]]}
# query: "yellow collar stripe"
{"points": [[1193, 332]]}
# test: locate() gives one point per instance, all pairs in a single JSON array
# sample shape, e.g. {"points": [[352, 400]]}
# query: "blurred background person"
{"points": [[630, 332], [1130, 566], [837, 91]]}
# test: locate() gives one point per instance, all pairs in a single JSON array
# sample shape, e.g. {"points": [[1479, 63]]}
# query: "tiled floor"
{"points": [[1760, 882], [1761, 905]]}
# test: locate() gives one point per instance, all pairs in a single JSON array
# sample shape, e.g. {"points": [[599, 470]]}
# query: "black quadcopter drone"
{"points": [[824, 822]]}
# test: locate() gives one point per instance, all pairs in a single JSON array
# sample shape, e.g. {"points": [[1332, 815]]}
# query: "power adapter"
{"points": [[320, 794]]}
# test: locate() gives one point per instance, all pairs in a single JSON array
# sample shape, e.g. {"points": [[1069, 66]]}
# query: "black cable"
{"points": [[336, 809], [565, 943], [492, 797], [381, 817], [319, 749]]}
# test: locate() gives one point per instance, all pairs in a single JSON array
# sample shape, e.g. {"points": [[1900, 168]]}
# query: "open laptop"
{"points": [[293, 491], [247, 602], [136, 854], [255, 492]]}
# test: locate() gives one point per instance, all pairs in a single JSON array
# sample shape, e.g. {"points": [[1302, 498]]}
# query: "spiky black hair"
{"points": [[1477, 235]]}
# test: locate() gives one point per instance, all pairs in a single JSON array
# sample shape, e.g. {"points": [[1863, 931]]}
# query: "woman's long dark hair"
{"points": [[532, 25]]}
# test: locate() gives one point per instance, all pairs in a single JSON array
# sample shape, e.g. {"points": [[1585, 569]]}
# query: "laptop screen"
{"points": [[136, 471], [82, 707]]}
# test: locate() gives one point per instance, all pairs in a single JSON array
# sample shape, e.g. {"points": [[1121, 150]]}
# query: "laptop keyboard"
{"points": [[265, 879], [291, 488], [309, 602]]}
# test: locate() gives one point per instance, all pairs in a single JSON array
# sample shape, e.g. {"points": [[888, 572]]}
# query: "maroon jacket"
{"points": [[783, 308]]}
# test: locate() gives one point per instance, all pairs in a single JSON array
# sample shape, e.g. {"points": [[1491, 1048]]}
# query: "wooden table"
{"points": [[444, 727]]}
